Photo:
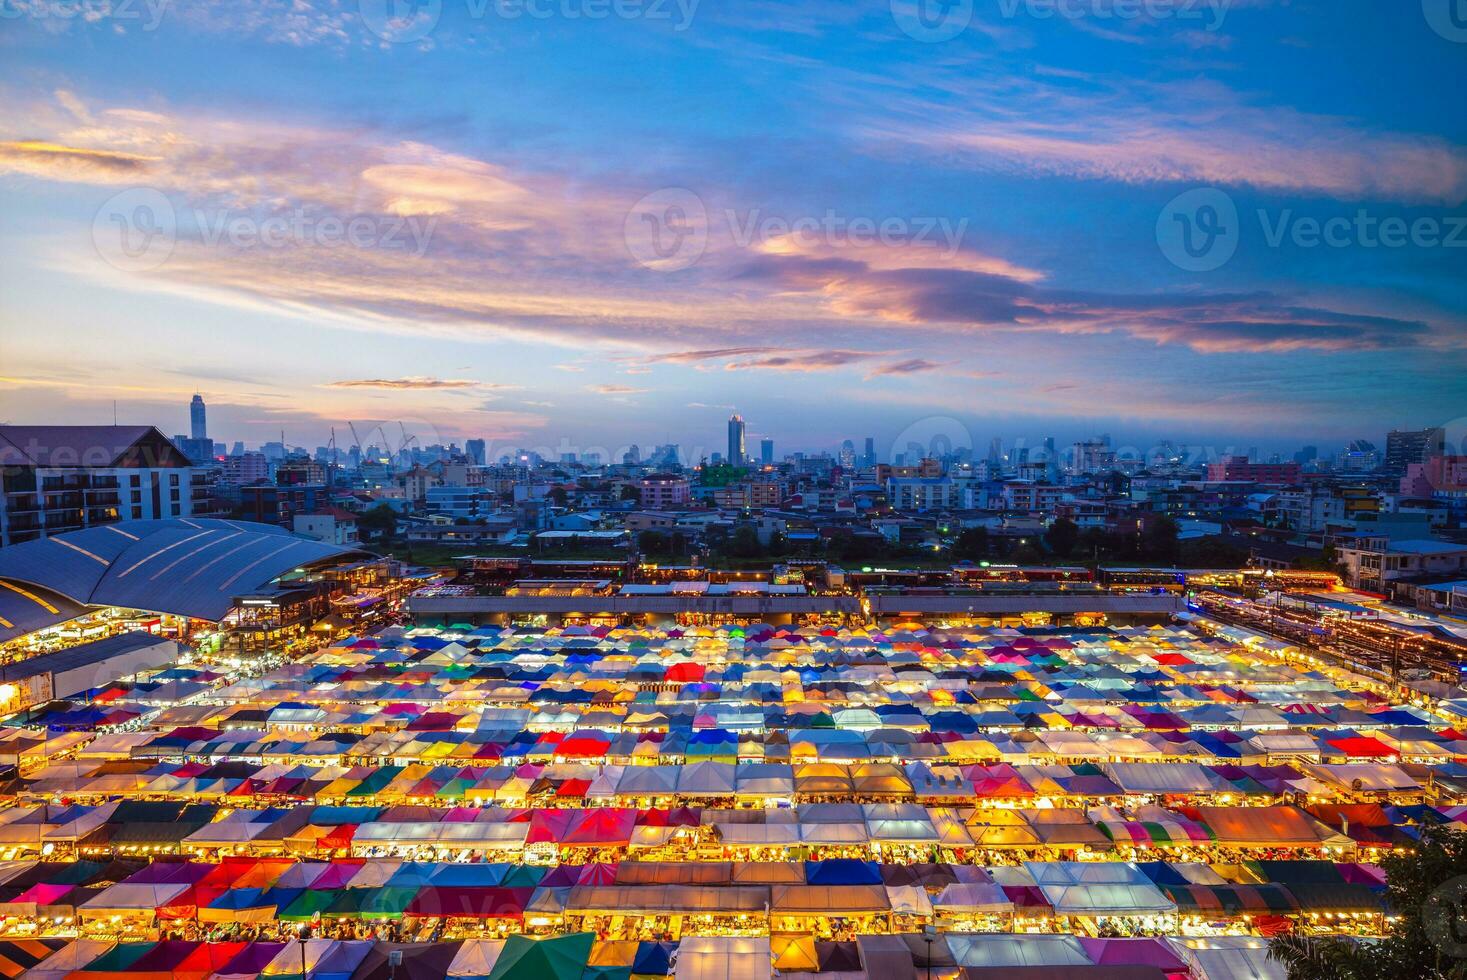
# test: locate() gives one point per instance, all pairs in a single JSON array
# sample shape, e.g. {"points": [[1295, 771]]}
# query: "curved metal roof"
{"points": [[188, 566]]}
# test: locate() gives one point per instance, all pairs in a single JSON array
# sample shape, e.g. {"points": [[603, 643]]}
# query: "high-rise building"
{"points": [[736, 454], [766, 452], [1407, 446], [197, 419], [474, 449], [868, 460], [847, 455]]}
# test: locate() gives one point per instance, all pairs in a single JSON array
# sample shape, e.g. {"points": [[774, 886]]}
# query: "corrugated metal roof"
{"points": [[182, 566], [87, 653]]}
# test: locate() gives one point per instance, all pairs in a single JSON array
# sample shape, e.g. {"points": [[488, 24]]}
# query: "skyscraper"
{"points": [[198, 425], [766, 452], [1406, 446], [736, 454], [475, 450], [869, 459]]}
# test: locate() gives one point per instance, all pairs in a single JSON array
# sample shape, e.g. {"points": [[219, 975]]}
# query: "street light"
{"points": [[929, 936], [303, 935]]}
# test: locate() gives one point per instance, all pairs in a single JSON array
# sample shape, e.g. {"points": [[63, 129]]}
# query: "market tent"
{"points": [[417, 961], [469, 902], [973, 897], [19, 955], [71, 957], [1230, 958], [724, 958], [828, 900], [1096, 889], [558, 958], [1267, 826], [475, 959], [325, 959], [1017, 951]]}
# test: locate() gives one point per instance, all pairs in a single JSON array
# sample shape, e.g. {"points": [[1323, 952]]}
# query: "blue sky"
{"points": [[579, 223]]}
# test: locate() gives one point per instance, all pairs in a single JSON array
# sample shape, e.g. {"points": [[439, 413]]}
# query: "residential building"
{"points": [[922, 493], [331, 525], [56, 478], [1240, 468], [664, 491], [270, 504]]}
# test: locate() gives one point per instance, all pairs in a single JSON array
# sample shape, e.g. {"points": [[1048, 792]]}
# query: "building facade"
{"points": [[56, 478]]}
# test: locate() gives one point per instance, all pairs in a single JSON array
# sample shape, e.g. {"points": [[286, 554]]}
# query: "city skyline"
{"points": [[832, 219]]}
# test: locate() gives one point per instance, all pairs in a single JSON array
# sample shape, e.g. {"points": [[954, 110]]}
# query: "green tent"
{"points": [[523, 876], [120, 957], [308, 903], [372, 903], [559, 958]]}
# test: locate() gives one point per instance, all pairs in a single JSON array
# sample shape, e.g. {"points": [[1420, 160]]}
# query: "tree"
{"points": [[1159, 540], [972, 544], [652, 542], [745, 542], [1426, 888], [558, 496], [1062, 536], [380, 521], [629, 492]]}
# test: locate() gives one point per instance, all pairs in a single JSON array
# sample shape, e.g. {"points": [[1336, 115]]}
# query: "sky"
{"points": [[577, 224]]}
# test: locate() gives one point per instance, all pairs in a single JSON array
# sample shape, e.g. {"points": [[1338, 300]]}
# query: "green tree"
{"points": [[1062, 536], [629, 492], [1159, 540], [379, 522], [745, 542], [971, 544], [1426, 888], [652, 543]]}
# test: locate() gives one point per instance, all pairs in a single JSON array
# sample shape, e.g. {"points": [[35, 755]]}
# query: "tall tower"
{"points": [[736, 454], [198, 426]]}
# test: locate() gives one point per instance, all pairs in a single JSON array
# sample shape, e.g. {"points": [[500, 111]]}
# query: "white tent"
{"points": [[724, 958]]}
